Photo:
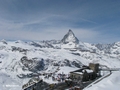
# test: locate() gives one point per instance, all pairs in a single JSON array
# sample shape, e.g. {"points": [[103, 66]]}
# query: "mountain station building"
{"points": [[86, 73]]}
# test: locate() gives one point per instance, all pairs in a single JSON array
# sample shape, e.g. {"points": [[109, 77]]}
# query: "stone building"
{"points": [[83, 75], [86, 73]]}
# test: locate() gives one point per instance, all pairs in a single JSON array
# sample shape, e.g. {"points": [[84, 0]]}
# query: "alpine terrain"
{"points": [[20, 60]]}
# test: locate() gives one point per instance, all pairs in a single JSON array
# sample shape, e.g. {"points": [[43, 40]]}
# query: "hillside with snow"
{"points": [[19, 60]]}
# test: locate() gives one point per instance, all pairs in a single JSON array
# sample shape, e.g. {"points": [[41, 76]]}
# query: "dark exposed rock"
{"points": [[18, 49], [67, 62], [33, 64], [36, 44], [76, 54], [76, 64]]}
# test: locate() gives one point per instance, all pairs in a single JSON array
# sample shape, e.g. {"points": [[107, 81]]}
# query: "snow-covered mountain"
{"points": [[21, 60], [69, 40], [70, 37]]}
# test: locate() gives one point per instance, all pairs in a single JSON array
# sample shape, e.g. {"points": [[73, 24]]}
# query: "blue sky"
{"points": [[93, 21]]}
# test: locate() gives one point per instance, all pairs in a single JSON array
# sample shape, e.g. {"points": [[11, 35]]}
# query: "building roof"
{"points": [[81, 71], [89, 70], [78, 73]]}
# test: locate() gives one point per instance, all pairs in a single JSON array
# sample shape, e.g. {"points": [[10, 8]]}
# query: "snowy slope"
{"points": [[9, 83], [110, 83], [20, 60]]}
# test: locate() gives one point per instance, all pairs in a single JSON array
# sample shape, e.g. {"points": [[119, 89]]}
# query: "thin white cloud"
{"points": [[13, 32]]}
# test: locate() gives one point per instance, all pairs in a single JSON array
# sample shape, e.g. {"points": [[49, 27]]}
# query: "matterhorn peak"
{"points": [[70, 37]]}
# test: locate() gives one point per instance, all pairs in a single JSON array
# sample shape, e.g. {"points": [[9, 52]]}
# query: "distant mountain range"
{"points": [[25, 59]]}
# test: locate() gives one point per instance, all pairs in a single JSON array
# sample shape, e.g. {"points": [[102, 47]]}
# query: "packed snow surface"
{"points": [[110, 83]]}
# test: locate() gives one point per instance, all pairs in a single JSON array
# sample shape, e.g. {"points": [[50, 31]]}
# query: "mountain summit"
{"points": [[70, 37]]}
